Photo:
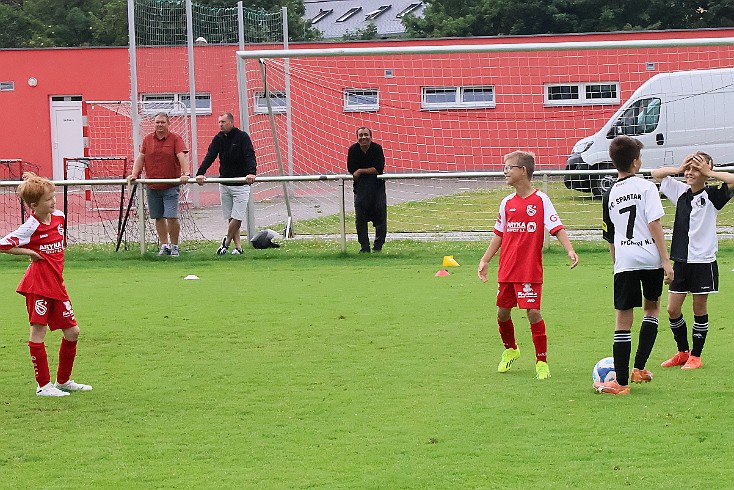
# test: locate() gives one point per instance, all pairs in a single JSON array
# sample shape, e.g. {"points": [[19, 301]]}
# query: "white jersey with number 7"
{"points": [[630, 206]]}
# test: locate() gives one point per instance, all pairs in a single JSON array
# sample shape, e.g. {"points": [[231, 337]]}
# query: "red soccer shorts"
{"points": [[524, 295], [55, 313]]}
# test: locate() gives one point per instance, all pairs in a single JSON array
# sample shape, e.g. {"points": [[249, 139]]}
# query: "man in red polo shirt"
{"points": [[163, 155]]}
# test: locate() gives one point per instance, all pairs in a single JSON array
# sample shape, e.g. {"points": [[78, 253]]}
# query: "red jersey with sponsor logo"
{"points": [[43, 277], [521, 224]]}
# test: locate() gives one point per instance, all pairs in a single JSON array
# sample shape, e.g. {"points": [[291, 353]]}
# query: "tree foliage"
{"points": [[367, 33], [462, 18], [47, 23], [39, 23]]}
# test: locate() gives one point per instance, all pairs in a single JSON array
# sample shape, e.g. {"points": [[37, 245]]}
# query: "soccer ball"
{"points": [[604, 371]]}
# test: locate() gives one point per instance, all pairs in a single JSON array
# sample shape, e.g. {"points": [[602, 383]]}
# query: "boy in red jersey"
{"points": [[519, 231], [41, 238]]}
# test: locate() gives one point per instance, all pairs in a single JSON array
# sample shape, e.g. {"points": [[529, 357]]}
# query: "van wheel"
{"points": [[602, 184]]}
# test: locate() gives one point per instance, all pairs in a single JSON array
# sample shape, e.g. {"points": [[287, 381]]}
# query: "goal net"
{"points": [[109, 213], [447, 109], [169, 77], [14, 211]]}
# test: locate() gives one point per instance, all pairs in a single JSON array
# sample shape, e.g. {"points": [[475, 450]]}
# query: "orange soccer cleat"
{"points": [[641, 376], [678, 359], [693, 362], [612, 388]]}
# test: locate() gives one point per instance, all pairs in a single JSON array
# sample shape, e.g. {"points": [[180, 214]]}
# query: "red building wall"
{"points": [[465, 139], [94, 73]]}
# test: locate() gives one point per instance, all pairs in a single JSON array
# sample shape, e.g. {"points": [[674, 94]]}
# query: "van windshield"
{"points": [[640, 118]]}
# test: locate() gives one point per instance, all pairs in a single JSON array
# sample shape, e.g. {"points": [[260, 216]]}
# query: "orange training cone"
{"points": [[448, 261], [442, 273]]}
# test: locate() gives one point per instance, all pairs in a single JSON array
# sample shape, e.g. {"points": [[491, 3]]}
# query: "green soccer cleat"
{"points": [[542, 371], [508, 357]]}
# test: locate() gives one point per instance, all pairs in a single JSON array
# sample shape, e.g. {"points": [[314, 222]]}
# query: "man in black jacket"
{"points": [[236, 159], [365, 161]]}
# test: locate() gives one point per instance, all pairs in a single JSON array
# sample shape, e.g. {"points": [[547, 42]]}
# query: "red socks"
{"points": [[40, 362], [507, 332], [540, 340], [67, 353]]}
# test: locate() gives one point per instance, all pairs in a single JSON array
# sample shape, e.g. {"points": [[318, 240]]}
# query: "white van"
{"points": [[673, 115]]}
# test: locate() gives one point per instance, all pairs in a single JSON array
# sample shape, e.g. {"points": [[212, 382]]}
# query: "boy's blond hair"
{"points": [[524, 159], [32, 190]]}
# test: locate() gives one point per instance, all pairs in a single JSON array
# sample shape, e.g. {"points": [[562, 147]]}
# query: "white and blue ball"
{"points": [[604, 371]]}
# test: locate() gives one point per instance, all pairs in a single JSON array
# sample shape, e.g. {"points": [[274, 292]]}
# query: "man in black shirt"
{"points": [[365, 161], [236, 159]]}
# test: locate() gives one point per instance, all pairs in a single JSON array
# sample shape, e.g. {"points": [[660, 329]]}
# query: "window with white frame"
{"points": [[378, 12], [470, 97], [349, 13], [321, 15], [588, 93], [203, 103], [410, 8], [176, 104], [361, 100], [278, 102]]}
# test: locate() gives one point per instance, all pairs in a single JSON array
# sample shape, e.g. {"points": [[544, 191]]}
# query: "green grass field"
{"points": [[477, 211], [303, 367]]}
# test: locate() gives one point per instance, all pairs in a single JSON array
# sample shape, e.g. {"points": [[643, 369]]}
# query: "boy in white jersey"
{"points": [[694, 248], [41, 238], [631, 224], [519, 230]]}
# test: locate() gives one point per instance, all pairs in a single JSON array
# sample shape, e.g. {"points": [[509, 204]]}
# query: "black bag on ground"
{"points": [[264, 239]]}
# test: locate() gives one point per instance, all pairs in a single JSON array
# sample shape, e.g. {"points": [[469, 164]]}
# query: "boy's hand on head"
{"points": [[702, 165], [686, 163]]}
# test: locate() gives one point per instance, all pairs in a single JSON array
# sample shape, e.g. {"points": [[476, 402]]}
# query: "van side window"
{"points": [[640, 118]]}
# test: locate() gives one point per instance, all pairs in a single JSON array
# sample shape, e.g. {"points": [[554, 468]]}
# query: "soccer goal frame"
{"points": [[277, 94]]}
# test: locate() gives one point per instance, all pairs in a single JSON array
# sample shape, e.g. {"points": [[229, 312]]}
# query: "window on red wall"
{"points": [[361, 100], [278, 101], [469, 97], [175, 104], [586, 93]]}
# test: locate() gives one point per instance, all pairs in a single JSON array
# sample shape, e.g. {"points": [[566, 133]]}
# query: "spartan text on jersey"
{"points": [[625, 198]]}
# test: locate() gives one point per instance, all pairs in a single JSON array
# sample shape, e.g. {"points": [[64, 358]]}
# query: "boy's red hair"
{"points": [[32, 190]]}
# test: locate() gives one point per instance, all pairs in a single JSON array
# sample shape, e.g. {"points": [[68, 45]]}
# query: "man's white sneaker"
{"points": [[237, 251], [174, 251], [164, 250], [72, 385], [50, 389]]}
